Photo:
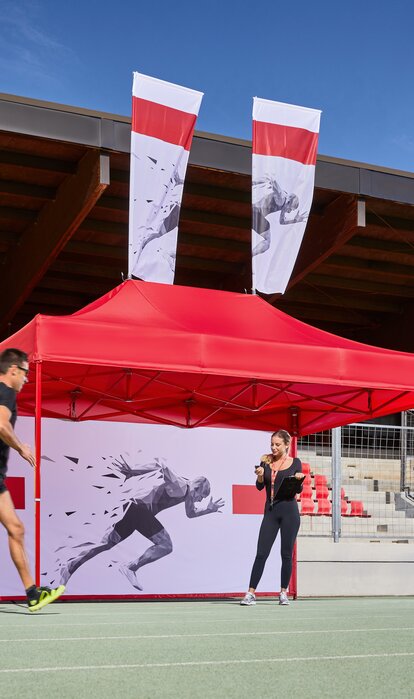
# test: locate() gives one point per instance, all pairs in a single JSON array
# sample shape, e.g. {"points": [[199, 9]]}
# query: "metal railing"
{"points": [[362, 480]]}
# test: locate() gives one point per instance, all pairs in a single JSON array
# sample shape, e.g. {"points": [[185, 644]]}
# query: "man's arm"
{"points": [[171, 477], [126, 470], [212, 506], [9, 437], [296, 219]]}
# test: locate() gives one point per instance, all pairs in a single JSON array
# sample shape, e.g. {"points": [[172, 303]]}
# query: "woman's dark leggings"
{"points": [[284, 516]]}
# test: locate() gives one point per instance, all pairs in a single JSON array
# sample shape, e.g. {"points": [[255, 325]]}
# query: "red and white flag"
{"points": [[285, 142], [163, 120]]}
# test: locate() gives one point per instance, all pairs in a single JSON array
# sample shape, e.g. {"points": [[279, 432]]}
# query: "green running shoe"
{"points": [[45, 595]]}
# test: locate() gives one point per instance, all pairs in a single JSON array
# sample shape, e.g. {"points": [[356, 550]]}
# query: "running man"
{"points": [[14, 369], [163, 219], [141, 515], [268, 202]]}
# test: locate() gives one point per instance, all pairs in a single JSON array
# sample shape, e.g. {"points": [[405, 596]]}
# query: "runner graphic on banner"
{"points": [[285, 140], [158, 489], [163, 120]]}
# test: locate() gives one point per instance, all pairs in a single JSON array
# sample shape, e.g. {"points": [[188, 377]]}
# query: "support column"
{"points": [[336, 483], [37, 471], [403, 448], [293, 585]]}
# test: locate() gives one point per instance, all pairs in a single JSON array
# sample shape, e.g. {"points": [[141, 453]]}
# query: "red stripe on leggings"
{"points": [[165, 123], [285, 141]]}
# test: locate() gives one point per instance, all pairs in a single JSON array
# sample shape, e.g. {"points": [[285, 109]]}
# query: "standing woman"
{"points": [[281, 513]]}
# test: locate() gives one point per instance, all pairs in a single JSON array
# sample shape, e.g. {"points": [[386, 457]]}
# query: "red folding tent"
{"points": [[191, 357]]}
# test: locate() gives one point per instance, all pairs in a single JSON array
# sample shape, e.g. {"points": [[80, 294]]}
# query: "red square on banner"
{"points": [[16, 487], [247, 500]]}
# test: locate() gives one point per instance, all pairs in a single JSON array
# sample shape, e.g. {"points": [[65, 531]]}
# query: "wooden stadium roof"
{"points": [[64, 187]]}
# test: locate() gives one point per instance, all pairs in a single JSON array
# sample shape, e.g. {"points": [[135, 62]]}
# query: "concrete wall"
{"points": [[353, 568]]}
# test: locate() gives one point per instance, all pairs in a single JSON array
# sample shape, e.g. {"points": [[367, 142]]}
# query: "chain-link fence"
{"points": [[376, 471]]}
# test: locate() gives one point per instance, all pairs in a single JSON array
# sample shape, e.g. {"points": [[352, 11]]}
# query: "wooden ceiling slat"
{"points": [[87, 270], [362, 284], [92, 287], [308, 295], [376, 271], [326, 313], [376, 253], [95, 250], [36, 162], [24, 190]]}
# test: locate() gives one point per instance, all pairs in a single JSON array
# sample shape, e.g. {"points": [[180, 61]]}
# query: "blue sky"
{"points": [[353, 60]]}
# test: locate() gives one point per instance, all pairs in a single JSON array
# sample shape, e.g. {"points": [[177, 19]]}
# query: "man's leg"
{"points": [[15, 531], [37, 597], [162, 546], [262, 227], [108, 542]]}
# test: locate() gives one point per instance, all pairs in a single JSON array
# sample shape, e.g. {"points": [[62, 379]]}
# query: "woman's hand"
{"points": [[300, 476], [259, 471]]}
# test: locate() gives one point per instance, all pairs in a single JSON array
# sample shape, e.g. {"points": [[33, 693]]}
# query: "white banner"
{"points": [[163, 120], [145, 509], [285, 140]]}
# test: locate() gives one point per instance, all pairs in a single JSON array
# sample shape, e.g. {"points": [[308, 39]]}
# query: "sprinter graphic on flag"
{"points": [[285, 139], [268, 198], [163, 120]]}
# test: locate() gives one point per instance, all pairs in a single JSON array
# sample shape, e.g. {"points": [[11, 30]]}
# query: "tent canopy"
{"points": [[192, 357]]}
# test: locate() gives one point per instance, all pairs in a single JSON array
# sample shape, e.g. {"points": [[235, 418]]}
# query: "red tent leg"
{"points": [[293, 585], [38, 438]]}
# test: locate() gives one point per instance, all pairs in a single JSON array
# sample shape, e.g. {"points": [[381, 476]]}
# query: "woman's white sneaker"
{"points": [[283, 598], [248, 599]]}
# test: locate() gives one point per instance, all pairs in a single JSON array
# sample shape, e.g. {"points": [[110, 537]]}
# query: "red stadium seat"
{"points": [[357, 508], [307, 506], [344, 508], [322, 492], [320, 480], [324, 507], [307, 480], [342, 494], [306, 468], [307, 491]]}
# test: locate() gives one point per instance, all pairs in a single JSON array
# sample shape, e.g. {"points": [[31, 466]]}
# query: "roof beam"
{"points": [[325, 235], [312, 313], [364, 285], [35, 162], [42, 241], [310, 295], [356, 268]]}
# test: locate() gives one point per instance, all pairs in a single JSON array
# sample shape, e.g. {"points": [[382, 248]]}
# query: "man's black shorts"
{"points": [[3, 487], [138, 518]]}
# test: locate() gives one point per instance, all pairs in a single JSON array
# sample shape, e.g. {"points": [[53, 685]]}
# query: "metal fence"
{"points": [[361, 482]]}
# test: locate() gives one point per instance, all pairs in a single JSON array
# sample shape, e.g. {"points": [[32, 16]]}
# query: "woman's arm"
{"points": [[259, 471], [299, 475]]}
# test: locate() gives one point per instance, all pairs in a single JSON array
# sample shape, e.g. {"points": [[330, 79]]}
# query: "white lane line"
{"points": [[295, 610], [198, 663], [203, 635], [252, 619]]}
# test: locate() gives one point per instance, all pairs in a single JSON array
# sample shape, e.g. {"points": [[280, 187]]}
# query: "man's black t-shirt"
{"points": [[8, 399]]}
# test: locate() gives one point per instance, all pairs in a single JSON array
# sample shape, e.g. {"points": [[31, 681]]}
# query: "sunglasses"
{"points": [[22, 368]]}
